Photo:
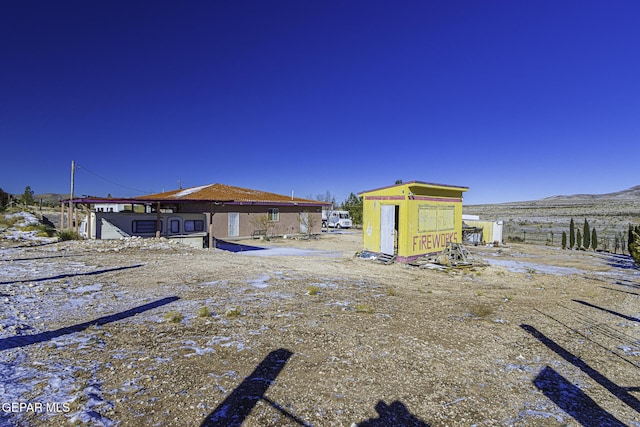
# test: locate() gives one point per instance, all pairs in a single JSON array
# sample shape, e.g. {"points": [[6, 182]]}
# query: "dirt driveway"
{"points": [[145, 332]]}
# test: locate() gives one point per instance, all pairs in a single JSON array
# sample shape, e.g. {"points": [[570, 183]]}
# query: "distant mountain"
{"points": [[630, 194], [50, 198]]}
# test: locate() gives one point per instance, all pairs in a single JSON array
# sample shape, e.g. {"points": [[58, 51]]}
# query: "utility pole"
{"points": [[73, 176]]}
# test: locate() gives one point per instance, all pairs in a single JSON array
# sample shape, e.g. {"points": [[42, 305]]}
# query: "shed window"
{"points": [[273, 214], [191, 225], [435, 218], [174, 226]]}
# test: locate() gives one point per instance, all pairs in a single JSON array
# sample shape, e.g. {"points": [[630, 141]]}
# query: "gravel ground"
{"points": [[147, 332]]}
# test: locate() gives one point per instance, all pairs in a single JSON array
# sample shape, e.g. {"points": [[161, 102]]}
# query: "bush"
{"points": [[64, 235], [232, 312], [204, 312], [9, 221], [173, 317], [42, 229], [480, 311], [313, 290], [364, 308]]}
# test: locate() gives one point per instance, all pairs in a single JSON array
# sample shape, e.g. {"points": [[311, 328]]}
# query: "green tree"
{"points": [[572, 234], [353, 204], [594, 239], [564, 240], [630, 237], [4, 199], [586, 234], [634, 247], [579, 239], [27, 196]]}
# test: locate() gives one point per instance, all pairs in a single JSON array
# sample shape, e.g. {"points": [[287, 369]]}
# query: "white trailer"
{"points": [[336, 219]]}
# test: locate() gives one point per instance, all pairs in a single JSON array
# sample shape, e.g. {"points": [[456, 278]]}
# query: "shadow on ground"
{"points": [[63, 276], [235, 247], [25, 340], [570, 398], [235, 409]]}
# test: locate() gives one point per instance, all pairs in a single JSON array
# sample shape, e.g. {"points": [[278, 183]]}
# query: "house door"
{"points": [[304, 222], [387, 229], [234, 224]]}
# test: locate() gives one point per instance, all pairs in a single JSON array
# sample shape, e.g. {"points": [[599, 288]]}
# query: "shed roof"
{"points": [[420, 184]]}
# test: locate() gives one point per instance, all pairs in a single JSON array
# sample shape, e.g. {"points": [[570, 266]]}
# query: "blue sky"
{"points": [[517, 100]]}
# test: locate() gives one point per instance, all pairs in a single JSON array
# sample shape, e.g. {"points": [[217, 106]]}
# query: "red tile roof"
{"points": [[226, 193]]}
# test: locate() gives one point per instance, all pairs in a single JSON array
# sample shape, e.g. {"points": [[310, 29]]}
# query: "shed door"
{"points": [[234, 224], [387, 226]]}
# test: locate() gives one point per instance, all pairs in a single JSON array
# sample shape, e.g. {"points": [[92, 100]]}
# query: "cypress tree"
{"points": [[579, 239], [630, 238], [564, 240], [586, 235], [594, 239], [572, 235]]}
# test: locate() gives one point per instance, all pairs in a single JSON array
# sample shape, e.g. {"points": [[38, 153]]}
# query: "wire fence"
{"points": [[615, 242]]}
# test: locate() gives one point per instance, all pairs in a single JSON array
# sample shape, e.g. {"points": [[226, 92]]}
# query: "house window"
{"points": [[273, 214], [191, 225], [144, 226], [174, 226]]}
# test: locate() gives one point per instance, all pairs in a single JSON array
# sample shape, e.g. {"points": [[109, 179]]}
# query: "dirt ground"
{"points": [[164, 335]]}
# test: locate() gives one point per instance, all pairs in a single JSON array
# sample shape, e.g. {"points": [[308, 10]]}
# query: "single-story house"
{"points": [[411, 219], [199, 215]]}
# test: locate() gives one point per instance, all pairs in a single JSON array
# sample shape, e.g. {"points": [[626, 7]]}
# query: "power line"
{"points": [[110, 181]]}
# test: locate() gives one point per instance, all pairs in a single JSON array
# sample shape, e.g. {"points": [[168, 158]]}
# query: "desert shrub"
{"points": [[480, 311], [8, 220], [173, 317], [42, 229], [392, 292], [363, 308], [313, 290], [204, 312], [233, 312], [64, 235]]}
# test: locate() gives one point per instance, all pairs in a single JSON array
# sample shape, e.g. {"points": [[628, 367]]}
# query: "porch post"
{"points": [[158, 223], [89, 223], [70, 215], [210, 226], [77, 226]]}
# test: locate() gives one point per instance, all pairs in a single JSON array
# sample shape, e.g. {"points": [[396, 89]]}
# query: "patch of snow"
{"points": [[278, 251], [188, 191], [630, 350], [197, 351], [524, 267], [86, 289], [543, 414], [260, 281]]}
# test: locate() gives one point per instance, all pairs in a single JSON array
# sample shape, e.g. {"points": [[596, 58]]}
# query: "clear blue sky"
{"points": [[517, 100]]}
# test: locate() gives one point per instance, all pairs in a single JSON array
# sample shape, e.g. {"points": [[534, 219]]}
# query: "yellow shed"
{"points": [[412, 219]]}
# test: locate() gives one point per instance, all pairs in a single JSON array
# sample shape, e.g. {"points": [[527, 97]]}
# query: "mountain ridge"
{"points": [[631, 194]]}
